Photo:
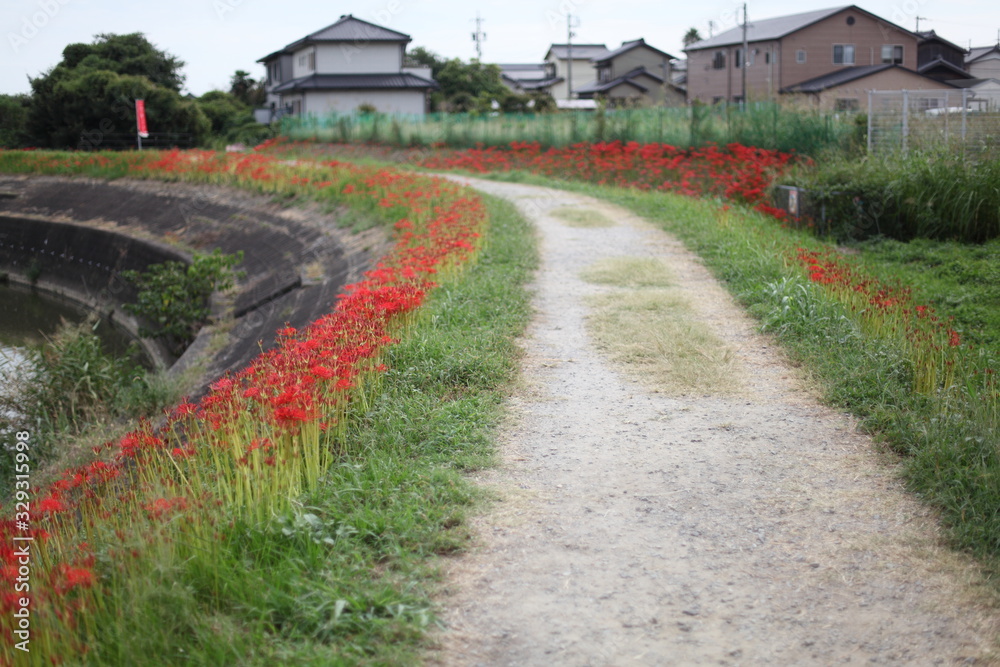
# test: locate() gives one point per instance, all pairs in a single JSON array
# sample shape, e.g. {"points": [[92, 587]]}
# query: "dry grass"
{"points": [[654, 335], [579, 217], [653, 332], [631, 272]]}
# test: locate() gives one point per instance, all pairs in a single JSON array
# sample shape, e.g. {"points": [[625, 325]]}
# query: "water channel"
{"points": [[27, 318]]}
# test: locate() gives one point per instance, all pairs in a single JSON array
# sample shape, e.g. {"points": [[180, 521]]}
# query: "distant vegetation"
{"points": [[87, 101]]}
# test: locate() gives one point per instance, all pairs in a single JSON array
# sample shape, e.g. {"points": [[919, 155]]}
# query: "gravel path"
{"points": [[637, 528]]}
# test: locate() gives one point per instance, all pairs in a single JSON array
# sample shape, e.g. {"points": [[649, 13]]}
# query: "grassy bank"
{"points": [[293, 515], [347, 576]]}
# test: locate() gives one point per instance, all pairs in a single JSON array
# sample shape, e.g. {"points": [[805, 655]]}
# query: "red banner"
{"points": [[140, 117]]}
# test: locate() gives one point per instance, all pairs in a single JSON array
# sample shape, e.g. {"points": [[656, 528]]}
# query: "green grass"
{"points": [[347, 578], [939, 195], [958, 279]]}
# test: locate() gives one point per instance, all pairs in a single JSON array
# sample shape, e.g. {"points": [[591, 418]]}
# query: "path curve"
{"points": [[634, 528]]}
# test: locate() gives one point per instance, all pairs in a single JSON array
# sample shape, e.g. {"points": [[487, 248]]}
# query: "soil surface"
{"points": [[641, 528]]}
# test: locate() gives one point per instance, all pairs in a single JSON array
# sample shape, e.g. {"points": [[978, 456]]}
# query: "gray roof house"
{"points": [[983, 62], [342, 67], [529, 77], [634, 74], [574, 67]]}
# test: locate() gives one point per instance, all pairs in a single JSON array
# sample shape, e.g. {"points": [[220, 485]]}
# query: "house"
{"points": [[573, 66], [788, 50], [984, 62], [529, 77], [634, 74], [940, 59], [346, 65], [846, 89], [984, 94]]}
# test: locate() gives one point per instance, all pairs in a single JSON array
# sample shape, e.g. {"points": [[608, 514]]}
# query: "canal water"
{"points": [[27, 318]]}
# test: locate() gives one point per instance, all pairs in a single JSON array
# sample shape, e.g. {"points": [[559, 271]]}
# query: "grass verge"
{"points": [[346, 577]]}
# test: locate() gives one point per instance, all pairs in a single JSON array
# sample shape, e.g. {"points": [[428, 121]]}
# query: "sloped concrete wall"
{"points": [[77, 235]]}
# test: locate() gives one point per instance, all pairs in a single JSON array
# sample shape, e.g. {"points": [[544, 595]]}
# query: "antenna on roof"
{"points": [[479, 37]]}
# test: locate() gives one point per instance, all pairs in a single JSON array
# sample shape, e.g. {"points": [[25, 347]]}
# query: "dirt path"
{"points": [[636, 528]]}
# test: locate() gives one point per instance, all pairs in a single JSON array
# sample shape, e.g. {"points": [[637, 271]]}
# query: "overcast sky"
{"points": [[217, 37]]}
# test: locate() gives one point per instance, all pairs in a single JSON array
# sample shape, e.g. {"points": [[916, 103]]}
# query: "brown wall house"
{"points": [[790, 49]]}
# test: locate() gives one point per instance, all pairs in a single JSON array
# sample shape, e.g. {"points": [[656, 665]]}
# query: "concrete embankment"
{"points": [[74, 237]]}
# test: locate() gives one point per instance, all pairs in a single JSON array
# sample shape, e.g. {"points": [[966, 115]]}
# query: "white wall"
{"points": [[359, 58], [386, 101]]}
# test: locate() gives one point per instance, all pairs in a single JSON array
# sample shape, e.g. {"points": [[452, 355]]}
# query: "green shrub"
{"points": [[933, 196], [174, 296]]}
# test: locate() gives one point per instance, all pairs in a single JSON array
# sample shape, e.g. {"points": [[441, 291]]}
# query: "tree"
{"points": [[690, 37], [125, 54], [246, 90], [422, 57], [87, 109], [90, 95], [459, 82], [14, 121]]}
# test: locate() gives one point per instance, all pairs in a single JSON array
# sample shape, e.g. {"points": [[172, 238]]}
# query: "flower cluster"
{"points": [[889, 311], [735, 173], [260, 437]]}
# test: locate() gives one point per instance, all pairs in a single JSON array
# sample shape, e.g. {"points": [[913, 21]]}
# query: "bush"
{"points": [[174, 296], [933, 196]]}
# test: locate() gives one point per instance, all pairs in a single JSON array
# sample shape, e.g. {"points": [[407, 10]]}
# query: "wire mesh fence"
{"points": [[950, 119], [764, 125], [123, 141]]}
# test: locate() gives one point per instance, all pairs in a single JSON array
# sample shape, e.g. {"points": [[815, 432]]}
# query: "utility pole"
{"points": [[746, 57], [711, 29], [919, 19], [569, 53], [479, 37]]}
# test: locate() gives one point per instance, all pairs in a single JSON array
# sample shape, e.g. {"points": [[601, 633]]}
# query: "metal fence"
{"points": [[123, 141], [958, 119]]}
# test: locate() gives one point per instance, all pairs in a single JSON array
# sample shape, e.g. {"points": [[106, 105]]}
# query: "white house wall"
{"points": [[358, 58], [386, 101], [986, 68]]}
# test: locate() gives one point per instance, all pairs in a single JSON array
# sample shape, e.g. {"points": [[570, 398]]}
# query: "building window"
{"points": [[717, 99], [738, 61], [800, 56], [892, 54], [843, 54], [719, 60], [312, 61], [767, 57], [846, 104]]}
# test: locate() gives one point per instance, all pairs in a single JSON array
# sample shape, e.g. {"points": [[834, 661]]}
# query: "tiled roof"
{"points": [[765, 29], [627, 78], [931, 36], [628, 46], [971, 83], [842, 76], [978, 52], [776, 28], [580, 51], [355, 82], [346, 29], [941, 62]]}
